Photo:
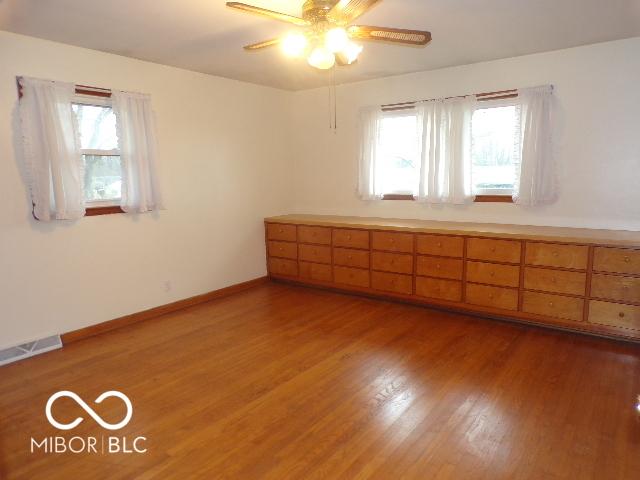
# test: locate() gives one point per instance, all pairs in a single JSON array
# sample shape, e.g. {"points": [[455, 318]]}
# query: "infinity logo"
{"points": [[89, 410]]}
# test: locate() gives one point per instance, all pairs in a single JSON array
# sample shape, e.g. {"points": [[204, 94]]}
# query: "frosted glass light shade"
{"points": [[321, 58], [294, 44], [336, 39]]}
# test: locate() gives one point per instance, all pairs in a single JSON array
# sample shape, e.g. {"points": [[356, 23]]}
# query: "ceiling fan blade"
{"points": [[266, 43], [346, 11], [268, 13], [396, 35]]}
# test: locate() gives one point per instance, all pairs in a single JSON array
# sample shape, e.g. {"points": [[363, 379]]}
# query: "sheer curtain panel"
{"points": [[55, 171], [537, 183], [445, 159], [137, 141], [370, 119]]}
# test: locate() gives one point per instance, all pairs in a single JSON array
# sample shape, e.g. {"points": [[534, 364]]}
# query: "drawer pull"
{"points": [[493, 249], [551, 304], [348, 237], [492, 274], [553, 279], [350, 257], [555, 253], [439, 244], [391, 240], [491, 296], [627, 259], [621, 314], [281, 249], [438, 266], [280, 230]]}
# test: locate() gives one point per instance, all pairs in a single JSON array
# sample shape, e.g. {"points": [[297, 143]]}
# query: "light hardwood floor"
{"points": [[283, 382]]}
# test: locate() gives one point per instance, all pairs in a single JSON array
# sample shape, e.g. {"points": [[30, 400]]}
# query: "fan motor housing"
{"points": [[316, 10]]}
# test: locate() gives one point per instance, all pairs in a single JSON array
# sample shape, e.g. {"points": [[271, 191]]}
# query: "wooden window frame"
{"points": [[477, 199]]}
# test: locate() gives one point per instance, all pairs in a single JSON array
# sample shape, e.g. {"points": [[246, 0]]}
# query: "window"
{"points": [[398, 155], [99, 142], [495, 149], [495, 153]]}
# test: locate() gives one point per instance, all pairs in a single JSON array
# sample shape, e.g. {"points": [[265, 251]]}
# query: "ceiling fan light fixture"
{"points": [[321, 58], [336, 39], [294, 45]]}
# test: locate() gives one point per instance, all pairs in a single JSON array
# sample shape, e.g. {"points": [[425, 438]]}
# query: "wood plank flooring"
{"points": [[284, 382]]}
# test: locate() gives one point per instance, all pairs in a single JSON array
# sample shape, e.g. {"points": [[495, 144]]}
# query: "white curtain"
{"points": [[55, 170], [536, 183], [370, 119], [137, 142], [445, 169]]}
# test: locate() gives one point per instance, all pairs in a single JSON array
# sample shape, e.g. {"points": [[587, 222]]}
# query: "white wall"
{"points": [[232, 153], [223, 159], [598, 93]]}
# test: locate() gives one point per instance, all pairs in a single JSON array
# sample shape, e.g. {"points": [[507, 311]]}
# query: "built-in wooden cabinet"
{"points": [[583, 280]]}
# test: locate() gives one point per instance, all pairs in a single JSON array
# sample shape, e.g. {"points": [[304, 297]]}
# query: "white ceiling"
{"points": [[206, 36]]}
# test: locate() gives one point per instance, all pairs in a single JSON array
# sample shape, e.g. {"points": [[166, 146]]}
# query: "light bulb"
{"points": [[336, 39], [294, 44], [321, 58], [350, 52]]}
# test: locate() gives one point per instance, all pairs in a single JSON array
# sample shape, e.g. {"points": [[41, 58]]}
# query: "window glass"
{"points": [[102, 177], [97, 127], [99, 143], [397, 159], [495, 151]]}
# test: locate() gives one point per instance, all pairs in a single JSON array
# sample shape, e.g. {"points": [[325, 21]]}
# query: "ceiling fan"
{"points": [[327, 35]]}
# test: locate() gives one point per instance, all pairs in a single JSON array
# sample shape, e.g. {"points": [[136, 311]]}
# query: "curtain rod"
{"points": [[80, 89], [498, 95]]}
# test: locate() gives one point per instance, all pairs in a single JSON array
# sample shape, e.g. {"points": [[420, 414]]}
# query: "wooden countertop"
{"points": [[622, 238]]}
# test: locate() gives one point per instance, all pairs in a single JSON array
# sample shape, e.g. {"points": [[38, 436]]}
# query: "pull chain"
{"points": [[333, 103]]}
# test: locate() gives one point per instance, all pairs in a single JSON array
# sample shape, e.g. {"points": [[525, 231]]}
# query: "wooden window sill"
{"points": [[493, 199], [395, 196], [478, 198], [108, 210]]}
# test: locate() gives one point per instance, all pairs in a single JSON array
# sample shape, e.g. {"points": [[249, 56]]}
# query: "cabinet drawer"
{"points": [[438, 288], [439, 267], [391, 282], [280, 266], [507, 251], [440, 245], [493, 274], [557, 255], [351, 238], [557, 281], [314, 253], [320, 235], [351, 258], [555, 306], [315, 271], [393, 242], [613, 287], [495, 297], [283, 249], [616, 260], [351, 276], [392, 262], [278, 231], [614, 314]]}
